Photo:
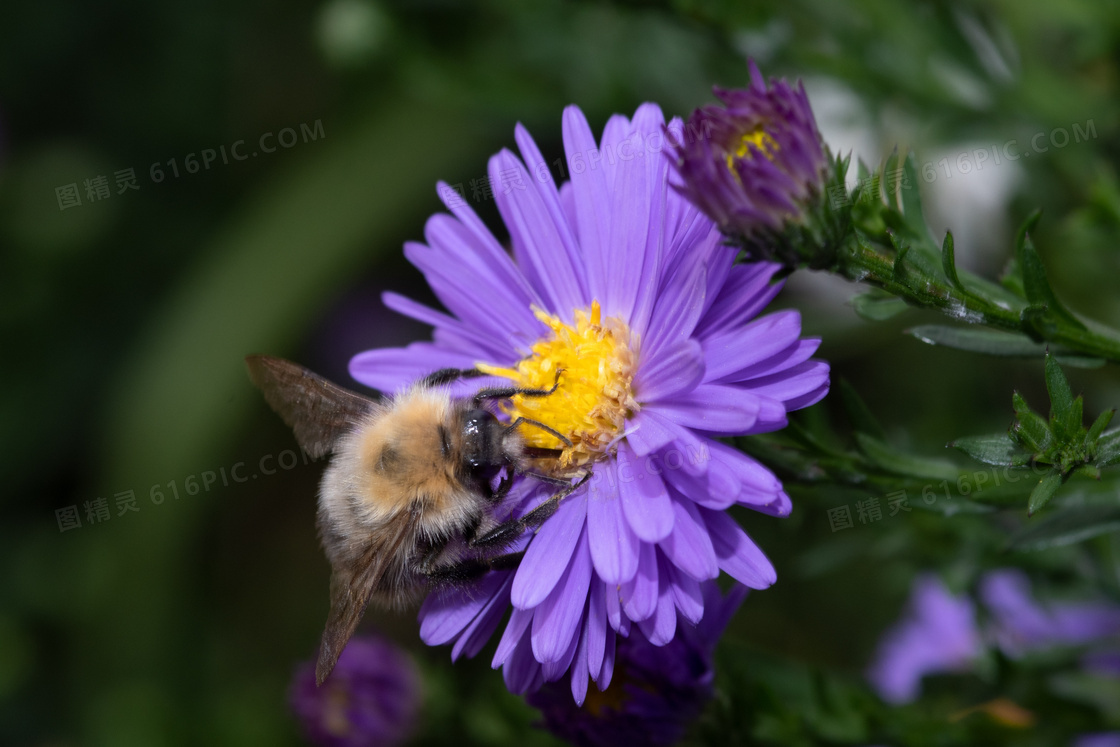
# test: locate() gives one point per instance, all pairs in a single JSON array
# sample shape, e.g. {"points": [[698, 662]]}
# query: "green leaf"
{"points": [[1044, 491], [1032, 433], [877, 306], [949, 262], [903, 464], [859, 413], [978, 340], [1063, 411], [1108, 449], [996, 449], [1037, 287], [1067, 526], [1098, 426]]}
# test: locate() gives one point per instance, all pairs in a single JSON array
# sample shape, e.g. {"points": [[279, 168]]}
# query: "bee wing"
{"points": [[351, 589], [318, 411]]}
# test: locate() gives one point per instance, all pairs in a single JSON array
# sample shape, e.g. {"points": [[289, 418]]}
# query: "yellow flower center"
{"points": [[759, 138], [593, 395]]}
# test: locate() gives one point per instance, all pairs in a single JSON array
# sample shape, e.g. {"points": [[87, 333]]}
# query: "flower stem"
{"points": [[859, 261]]}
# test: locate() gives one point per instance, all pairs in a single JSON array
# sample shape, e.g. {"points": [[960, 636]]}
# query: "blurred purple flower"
{"points": [[1020, 624], [1099, 739], [371, 698], [755, 165], [656, 692], [938, 635], [619, 282]]}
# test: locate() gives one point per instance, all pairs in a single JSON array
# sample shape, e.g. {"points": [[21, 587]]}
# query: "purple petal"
{"points": [[556, 620], [795, 354], [660, 627], [639, 595], [519, 621], [479, 632], [592, 199], [446, 612], [614, 548], [715, 408], [625, 261], [747, 291], [603, 681], [676, 315], [688, 596], [788, 385], [678, 368], [689, 547], [728, 353], [548, 554], [392, 369], [522, 671], [554, 670], [737, 554], [539, 240], [580, 670], [596, 626], [645, 500], [647, 432], [614, 610]]}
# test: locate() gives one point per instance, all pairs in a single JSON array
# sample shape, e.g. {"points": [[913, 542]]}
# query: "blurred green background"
{"points": [[126, 317]]}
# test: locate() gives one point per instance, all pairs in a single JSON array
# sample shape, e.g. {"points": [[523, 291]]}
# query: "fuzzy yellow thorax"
{"points": [[593, 396]]}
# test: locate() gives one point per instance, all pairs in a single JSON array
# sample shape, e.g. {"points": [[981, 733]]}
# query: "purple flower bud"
{"points": [[757, 167]]}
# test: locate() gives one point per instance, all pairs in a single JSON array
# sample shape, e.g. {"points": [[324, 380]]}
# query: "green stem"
{"points": [[861, 263]]}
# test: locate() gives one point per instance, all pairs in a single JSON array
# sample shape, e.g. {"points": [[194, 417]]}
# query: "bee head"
{"points": [[482, 440]]}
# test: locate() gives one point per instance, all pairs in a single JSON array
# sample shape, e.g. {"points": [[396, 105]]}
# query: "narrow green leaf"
{"points": [[878, 307], [1037, 286], [1065, 527], [1032, 433], [1044, 491], [1108, 449], [996, 449], [1088, 470], [859, 413], [1020, 404], [949, 262], [978, 340], [898, 463], [1098, 426], [1062, 408]]}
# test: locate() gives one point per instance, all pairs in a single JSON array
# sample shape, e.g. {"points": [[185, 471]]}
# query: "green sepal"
{"points": [[1044, 491]]}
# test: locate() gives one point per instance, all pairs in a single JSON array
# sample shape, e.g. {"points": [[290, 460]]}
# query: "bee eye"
{"points": [[479, 447]]}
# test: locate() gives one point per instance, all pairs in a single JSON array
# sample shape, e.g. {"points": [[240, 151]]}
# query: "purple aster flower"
{"points": [[372, 697], [938, 635], [1021, 625], [619, 292], [757, 166], [656, 691]]}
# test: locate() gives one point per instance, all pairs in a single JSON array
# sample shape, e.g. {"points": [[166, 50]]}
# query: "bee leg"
{"points": [[496, 496], [507, 392], [448, 375], [551, 431], [472, 568], [507, 532]]}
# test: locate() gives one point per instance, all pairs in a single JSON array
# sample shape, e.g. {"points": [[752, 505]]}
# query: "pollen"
{"points": [[760, 139], [596, 362]]}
